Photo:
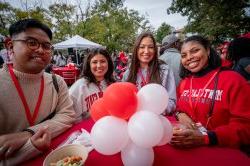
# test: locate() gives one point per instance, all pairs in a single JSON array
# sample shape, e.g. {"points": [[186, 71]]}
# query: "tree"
{"points": [[7, 16], [38, 13], [64, 20], [111, 25], [106, 21], [218, 19], [162, 31]]}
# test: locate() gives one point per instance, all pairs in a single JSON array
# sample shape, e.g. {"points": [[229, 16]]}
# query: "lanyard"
{"points": [[144, 81], [31, 119], [198, 97], [99, 87]]}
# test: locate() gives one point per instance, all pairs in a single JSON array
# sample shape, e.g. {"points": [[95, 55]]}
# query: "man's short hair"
{"points": [[23, 25]]}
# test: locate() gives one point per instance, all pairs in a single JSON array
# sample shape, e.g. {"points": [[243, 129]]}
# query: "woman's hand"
{"points": [[9, 143], [187, 138], [184, 119], [41, 139]]}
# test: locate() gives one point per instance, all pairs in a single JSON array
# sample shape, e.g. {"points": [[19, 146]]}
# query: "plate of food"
{"points": [[68, 155]]}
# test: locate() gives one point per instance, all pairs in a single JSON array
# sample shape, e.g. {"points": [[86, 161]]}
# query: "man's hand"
{"points": [[9, 143], [187, 138], [41, 139], [186, 121]]}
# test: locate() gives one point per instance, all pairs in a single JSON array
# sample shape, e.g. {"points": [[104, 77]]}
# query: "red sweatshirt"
{"points": [[230, 118]]}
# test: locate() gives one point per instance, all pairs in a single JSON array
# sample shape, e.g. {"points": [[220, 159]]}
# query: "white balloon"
{"points": [[168, 131], [133, 155], [153, 97], [109, 135], [145, 129]]}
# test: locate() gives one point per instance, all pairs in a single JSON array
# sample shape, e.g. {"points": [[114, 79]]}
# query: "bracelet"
{"points": [[30, 131]]}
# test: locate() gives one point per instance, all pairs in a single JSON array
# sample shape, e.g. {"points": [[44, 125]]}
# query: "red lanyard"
{"points": [[99, 86], [29, 117], [198, 97], [144, 81]]}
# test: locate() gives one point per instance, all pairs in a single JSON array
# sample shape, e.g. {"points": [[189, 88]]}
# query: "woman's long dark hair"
{"points": [[86, 72], [154, 68], [214, 61]]}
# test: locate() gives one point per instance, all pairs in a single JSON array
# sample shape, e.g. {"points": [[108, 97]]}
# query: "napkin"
{"points": [[79, 137]]}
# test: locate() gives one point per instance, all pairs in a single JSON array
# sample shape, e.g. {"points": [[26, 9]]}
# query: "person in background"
{"points": [[60, 60], [32, 112], [212, 103], [97, 74], [121, 66], [239, 53], [171, 55], [69, 60], [224, 51], [1, 62], [147, 68], [4, 53]]}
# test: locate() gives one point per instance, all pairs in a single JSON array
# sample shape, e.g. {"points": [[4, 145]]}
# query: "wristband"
{"points": [[30, 131], [213, 140]]}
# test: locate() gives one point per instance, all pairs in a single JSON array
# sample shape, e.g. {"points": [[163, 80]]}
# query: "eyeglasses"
{"points": [[34, 44]]}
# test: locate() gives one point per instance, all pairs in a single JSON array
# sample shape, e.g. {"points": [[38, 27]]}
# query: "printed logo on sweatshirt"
{"points": [[203, 96], [91, 98]]}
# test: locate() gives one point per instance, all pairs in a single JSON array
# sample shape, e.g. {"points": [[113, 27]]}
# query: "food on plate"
{"points": [[69, 161]]}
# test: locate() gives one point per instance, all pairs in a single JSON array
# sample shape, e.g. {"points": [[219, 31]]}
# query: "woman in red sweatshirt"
{"points": [[213, 104]]}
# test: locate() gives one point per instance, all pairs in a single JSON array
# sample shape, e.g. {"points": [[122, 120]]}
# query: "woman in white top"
{"points": [[146, 68], [97, 74]]}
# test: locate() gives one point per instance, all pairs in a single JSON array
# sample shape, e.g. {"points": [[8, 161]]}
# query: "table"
{"points": [[70, 74], [164, 155]]}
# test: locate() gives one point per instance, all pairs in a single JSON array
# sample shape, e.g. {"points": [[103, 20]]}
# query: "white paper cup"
{"points": [[65, 151]]}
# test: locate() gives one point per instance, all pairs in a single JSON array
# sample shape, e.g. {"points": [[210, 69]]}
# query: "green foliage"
{"points": [[7, 16], [218, 19], [162, 31], [106, 22], [36, 13], [111, 25], [63, 18]]}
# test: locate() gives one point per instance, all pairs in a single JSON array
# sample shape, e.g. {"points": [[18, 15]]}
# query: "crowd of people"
{"points": [[209, 99]]}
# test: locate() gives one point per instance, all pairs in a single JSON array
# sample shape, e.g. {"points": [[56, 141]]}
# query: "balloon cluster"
{"points": [[130, 122]]}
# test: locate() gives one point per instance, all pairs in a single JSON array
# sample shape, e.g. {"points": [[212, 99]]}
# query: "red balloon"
{"points": [[98, 110], [120, 99], [130, 86]]}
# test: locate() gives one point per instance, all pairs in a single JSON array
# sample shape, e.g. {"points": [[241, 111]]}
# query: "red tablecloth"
{"points": [[61, 70], [164, 155]]}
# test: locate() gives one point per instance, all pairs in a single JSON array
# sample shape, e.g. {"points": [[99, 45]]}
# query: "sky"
{"points": [[154, 10]]}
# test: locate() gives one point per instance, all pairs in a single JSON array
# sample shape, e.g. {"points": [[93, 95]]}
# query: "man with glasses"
{"points": [[32, 111]]}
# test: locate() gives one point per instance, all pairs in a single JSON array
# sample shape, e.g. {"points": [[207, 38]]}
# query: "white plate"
{"points": [[67, 150]]}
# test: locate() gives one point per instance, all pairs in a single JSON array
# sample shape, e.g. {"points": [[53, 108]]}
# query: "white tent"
{"points": [[76, 42]]}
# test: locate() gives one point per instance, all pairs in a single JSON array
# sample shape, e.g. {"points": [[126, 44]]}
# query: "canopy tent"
{"points": [[76, 42]]}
